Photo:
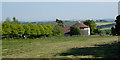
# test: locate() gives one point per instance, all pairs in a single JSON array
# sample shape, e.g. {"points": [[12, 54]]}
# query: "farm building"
{"points": [[84, 28]]}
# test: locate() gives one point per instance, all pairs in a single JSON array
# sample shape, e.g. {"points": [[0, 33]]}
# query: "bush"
{"points": [[107, 31], [76, 31], [98, 31], [57, 31]]}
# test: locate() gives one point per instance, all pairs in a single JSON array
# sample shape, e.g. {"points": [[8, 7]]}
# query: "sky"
{"points": [[59, 0], [0, 11], [49, 11]]}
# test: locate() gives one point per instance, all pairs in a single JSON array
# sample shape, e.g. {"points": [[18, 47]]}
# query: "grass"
{"points": [[65, 47]]}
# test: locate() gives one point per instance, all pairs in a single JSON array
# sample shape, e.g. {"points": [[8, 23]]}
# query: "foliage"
{"points": [[15, 21], [76, 31], [98, 31], [50, 29], [32, 29], [6, 29], [91, 24], [41, 28], [93, 29], [14, 29], [38, 32], [46, 30], [60, 22], [27, 29], [113, 31], [107, 31], [57, 30], [21, 29], [117, 26]]}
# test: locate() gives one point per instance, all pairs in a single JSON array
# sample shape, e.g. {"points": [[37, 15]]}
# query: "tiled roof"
{"points": [[80, 25], [66, 29]]}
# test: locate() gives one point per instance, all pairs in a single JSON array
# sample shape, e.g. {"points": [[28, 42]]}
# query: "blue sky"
{"points": [[59, 0], [0, 11], [47, 11]]}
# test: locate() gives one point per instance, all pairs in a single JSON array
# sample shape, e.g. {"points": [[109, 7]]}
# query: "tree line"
{"points": [[14, 29]]}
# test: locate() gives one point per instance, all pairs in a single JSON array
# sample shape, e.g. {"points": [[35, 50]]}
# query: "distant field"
{"points": [[66, 47], [104, 23], [106, 28]]}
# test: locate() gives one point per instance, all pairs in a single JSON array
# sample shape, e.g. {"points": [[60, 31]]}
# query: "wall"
{"points": [[85, 31]]}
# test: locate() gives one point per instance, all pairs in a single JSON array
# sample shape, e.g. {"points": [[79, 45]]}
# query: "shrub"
{"points": [[98, 31], [58, 31], [76, 31]]}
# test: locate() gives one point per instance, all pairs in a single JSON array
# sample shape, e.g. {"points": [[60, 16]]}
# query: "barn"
{"points": [[84, 28]]}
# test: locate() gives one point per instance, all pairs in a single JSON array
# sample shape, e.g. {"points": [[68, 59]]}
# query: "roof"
{"points": [[66, 29], [80, 25]]}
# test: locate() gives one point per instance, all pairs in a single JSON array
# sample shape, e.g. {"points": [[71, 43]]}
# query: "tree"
{"points": [[37, 30], [27, 29], [32, 29], [11, 29], [60, 22], [91, 24], [20, 29], [6, 29], [42, 30], [117, 26], [76, 31], [46, 29], [113, 31], [50, 29], [14, 30], [15, 21], [57, 30]]}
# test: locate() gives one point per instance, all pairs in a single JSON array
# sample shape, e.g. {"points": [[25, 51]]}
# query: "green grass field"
{"points": [[65, 47]]}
